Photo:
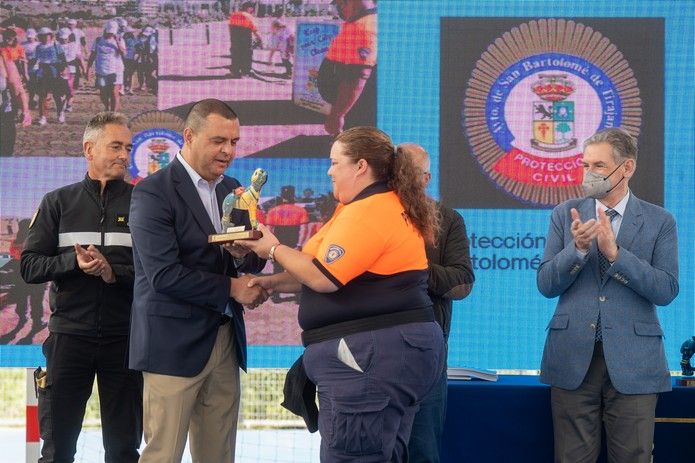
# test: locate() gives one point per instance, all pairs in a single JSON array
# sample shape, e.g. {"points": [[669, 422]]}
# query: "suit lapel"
{"points": [[631, 224], [189, 194]]}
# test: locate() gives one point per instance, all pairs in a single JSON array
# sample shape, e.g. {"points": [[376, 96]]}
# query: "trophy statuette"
{"points": [[687, 370], [239, 212]]}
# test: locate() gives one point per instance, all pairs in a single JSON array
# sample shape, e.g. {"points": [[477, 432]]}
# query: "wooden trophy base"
{"points": [[223, 238], [688, 381]]}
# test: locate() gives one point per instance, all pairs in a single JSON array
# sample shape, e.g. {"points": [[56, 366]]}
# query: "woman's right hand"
{"points": [[262, 245]]}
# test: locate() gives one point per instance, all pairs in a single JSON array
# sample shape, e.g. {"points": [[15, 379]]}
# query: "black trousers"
{"points": [[71, 363], [241, 51], [8, 130]]}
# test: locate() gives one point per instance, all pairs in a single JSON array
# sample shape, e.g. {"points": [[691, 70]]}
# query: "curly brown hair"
{"points": [[390, 164]]}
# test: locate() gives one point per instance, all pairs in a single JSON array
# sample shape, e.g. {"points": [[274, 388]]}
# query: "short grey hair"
{"points": [[96, 124], [624, 145]]}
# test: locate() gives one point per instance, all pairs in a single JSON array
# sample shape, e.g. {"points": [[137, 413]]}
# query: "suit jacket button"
{"points": [[602, 298]]}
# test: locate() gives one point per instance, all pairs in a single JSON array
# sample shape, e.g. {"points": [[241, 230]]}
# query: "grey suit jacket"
{"points": [[644, 275]]}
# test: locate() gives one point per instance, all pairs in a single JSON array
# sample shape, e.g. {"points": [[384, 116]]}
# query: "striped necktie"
{"points": [[603, 266]]}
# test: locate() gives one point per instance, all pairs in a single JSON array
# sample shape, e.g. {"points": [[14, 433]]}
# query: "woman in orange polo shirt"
{"points": [[372, 346]]}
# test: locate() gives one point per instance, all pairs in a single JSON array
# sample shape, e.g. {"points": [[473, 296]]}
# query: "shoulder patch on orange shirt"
{"points": [[333, 253]]}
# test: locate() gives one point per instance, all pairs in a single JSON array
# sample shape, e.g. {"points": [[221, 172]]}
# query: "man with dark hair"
{"points": [[611, 258], [187, 329], [197, 115], [90, 296], [450, 278]]}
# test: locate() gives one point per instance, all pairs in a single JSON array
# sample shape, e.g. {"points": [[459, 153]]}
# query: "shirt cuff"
{"points": [[581, 254]]}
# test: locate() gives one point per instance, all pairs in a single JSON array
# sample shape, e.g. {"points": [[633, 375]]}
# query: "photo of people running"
{"points": [[300, 71], [61, 63], [21, 304], [58, 69]]}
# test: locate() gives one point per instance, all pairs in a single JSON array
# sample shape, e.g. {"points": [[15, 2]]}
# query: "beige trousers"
{"points": [[206, 407]]}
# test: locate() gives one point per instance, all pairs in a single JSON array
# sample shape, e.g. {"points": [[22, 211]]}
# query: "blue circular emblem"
{"points": [[535, 95], [153, 149]]}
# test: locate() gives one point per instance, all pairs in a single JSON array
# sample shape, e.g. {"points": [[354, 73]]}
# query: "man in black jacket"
{"points": [[79, 240], [451, 278]]}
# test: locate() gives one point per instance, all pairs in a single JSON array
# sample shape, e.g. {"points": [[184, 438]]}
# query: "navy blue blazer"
{"points": [[644, 275], [181, 282]]}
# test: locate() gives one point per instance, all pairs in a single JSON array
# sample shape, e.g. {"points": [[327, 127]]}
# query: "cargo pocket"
{"points": [[420, 360], [358, 425]]}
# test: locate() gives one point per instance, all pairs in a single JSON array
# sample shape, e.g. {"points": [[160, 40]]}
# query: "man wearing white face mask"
{"points": [[611, 258]]}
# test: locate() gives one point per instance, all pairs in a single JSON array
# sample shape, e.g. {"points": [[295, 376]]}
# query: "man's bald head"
{"points": [[420, 157]]}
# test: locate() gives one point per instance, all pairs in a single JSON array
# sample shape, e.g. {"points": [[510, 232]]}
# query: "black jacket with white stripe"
{"points": [[82, 304]]}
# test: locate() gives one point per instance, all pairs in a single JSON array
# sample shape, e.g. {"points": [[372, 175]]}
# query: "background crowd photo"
{"points": [[500, 93]]}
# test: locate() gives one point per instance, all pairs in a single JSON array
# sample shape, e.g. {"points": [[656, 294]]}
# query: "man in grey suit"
{"points": [[611, 258]]}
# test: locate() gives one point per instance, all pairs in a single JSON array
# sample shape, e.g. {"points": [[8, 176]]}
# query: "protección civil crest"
{"points": [[535, 94], [156, 141]]}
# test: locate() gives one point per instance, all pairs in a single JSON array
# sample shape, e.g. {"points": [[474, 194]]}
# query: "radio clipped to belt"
{"points": [[40, 380]]}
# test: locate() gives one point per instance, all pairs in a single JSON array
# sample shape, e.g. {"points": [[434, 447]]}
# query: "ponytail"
{"points": [[421, 209], [391, 164]]}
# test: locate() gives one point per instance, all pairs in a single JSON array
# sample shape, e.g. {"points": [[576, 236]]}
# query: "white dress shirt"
{"points": [[206, 191]]}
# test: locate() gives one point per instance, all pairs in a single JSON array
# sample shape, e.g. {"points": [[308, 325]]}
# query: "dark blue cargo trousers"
{"points": [[370, 385]]}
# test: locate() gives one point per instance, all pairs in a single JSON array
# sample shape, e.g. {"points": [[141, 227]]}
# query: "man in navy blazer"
{"points": [[187, 329], [611, 258]]}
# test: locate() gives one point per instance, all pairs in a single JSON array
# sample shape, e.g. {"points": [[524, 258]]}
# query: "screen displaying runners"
{"points": [[501, 94]]}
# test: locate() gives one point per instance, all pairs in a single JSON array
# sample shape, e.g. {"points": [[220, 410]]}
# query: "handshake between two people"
{"points": [[246, 292], [252, 290]]}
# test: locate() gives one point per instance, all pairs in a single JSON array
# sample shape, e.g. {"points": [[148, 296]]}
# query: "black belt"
{"points": [[376, 322]]}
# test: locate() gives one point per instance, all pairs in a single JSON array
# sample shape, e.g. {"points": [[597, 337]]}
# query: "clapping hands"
{"points": [[92, 262], [585, 232]]}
